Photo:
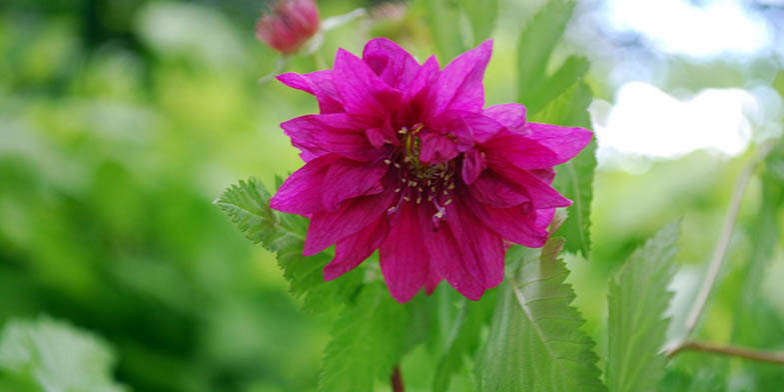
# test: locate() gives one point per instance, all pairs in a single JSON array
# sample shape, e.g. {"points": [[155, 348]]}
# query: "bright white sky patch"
{"points": [[677, 26], [648, 122]]}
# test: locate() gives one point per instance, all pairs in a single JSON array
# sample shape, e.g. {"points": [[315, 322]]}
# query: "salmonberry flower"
{"points": [[404, 158], [289, 25]]}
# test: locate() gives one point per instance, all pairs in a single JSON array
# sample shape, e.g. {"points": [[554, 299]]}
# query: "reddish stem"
{"points": [[396, 379]]}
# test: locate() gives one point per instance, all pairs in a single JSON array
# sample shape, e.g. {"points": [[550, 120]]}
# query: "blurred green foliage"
{"points": [[122, 120]]}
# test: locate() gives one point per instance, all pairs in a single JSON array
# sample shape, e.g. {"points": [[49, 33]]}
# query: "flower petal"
{"points": [[354, 249], [521, 225], [341, 133], [473, 165], [466, 253], [390, 62], [520, 151], [328, 227], [468, 127], [425, 77], [540, 193], [565, 142], [459, 85], [301, 192], [347, 179], [511, 115], [437, 148], [403, 257], [318, 83], [360, 89], [495, 191]]}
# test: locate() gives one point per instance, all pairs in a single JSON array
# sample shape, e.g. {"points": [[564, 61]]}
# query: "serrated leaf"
{"points": [[53, 356], [574, 179], [535, 342], [537, 42], [247, 204], [482, 15], [638, 297], [367, 342]]}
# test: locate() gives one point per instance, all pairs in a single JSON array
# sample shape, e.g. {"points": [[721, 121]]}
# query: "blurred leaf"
{"points": [[537, 42], [570, 72], [482, 15], [574, 179], [55, 357], [367, 342], [637, 329], [462, 341], [247, 204], [443, 16], [535, 342]]}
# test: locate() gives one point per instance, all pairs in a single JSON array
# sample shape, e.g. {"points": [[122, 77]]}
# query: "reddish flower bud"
{"points": [[288, 25]]}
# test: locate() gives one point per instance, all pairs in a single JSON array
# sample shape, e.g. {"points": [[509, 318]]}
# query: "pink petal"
{"points": [[437, 148], [341, 133], [565, 142], [511, 115], [390, 62], [361, 90], [425, 77], [301, 192], [466, 253], [328, 227], [540, 193], [459, 85], [347, 179], [520, 151], [518, 224], [473, 164], [354, 249], [495, 191], [469, 127], [403, 257], [318, 83]]}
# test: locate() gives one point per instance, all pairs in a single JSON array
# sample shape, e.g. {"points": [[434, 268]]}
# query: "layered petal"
{"points": [[520, 151], [360, 89], [390, 62], [541, 194], [473, 165], [459, 85], [468, 127], [466, 253], [522, 224], [341, 133], [403, 257], [496, 191], [301, 192], [328, 227], [354, 249], [511, 115], [437, 148], [320, 84], [347, 179], [564, 142]]}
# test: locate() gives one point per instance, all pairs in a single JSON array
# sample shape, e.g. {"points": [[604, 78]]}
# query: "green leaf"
{"points": [[537, 42], [462, 338], [367, 342], [482, 15], [535, 342], [574, 179], [45, 355], [442, 17], [570, 72], [247, 204], [638, 298]]}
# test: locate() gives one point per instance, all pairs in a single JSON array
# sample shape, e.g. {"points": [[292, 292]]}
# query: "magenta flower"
{"points": [[404, 158], [290, 24]]}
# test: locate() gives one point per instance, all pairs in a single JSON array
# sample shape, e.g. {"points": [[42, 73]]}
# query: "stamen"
{"points": [[387, 161], [397, 190], [448, 202], [419, 200], [406, 198]]}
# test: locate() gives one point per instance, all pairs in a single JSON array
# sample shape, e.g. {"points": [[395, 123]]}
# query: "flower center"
{"points": [[420, 182]]}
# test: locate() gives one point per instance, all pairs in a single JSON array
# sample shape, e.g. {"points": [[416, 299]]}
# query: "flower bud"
{"points": [[288, 25]]}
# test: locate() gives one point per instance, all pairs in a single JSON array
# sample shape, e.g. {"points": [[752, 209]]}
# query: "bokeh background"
{"points": [[121, 121]]}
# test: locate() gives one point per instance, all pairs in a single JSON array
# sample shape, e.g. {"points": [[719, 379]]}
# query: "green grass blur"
{"points": [[121, 121]]}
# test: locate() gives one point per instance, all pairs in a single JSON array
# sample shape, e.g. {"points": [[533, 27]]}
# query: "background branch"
{"points": [[733, 351]]}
